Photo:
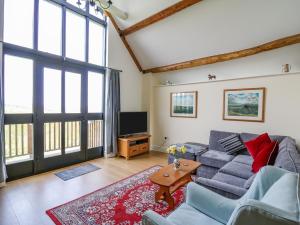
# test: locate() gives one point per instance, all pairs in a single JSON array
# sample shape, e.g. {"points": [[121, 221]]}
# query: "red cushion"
{"points": [[266, 156], [255, 145]]}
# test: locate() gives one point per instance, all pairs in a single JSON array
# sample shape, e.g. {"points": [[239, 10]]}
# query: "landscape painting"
{"points": [[244, 104], [184, 104]]}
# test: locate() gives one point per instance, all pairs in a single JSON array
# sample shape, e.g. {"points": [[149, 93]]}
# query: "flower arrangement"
{"points": [[172, 149]]}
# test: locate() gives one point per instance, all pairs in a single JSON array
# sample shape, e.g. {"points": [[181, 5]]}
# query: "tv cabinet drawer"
{"points": [[144, 147], [134, 150]]}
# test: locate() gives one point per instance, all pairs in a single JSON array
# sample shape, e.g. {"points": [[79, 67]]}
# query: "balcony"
{"points": [[19, 139]]}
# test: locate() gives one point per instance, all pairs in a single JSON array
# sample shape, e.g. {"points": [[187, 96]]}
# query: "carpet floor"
{"points": [[123, 202]]}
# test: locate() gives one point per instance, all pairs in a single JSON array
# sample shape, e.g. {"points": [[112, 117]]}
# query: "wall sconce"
{"points": [[286, 68], [212, 77]]}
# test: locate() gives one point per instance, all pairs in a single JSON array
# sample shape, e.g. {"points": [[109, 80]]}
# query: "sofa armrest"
{"points": [[210, 203], [152, 218], [253, 212], [238, 191]]}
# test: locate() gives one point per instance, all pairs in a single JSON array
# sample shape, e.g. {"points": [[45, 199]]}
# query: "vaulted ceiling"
{"points": [[207, 28]]}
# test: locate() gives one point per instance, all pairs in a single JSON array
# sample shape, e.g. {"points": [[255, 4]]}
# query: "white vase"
{"points": [[176, 163]]}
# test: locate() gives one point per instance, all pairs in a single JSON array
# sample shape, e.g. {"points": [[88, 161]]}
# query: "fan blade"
{"points": [[112, 9]]}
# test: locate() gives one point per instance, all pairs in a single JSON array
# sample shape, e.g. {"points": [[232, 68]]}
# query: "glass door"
{"points": [[60, 117]]}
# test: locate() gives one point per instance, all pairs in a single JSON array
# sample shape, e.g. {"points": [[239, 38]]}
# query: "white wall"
{"points": [[265, 63], [131, 79], [282, 109]]}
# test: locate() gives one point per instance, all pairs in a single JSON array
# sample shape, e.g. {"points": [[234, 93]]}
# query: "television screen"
{"points": [[132, 123]]}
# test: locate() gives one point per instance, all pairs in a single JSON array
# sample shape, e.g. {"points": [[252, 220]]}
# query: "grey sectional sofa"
{"points": [[231, 175]]}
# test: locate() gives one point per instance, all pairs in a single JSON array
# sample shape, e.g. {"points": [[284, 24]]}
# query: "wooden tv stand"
{"points": [[133, 145]]}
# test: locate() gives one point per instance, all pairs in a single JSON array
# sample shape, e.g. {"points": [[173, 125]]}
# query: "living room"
{"points": [[149, 112]]}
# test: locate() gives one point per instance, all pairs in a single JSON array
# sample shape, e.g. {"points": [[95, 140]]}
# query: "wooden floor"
{"points": [[25, 201]]}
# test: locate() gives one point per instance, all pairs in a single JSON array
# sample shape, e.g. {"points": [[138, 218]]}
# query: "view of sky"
{"points": [[243, 98]]}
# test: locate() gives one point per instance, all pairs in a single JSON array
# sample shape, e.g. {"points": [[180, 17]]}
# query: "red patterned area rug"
{"points": [[123, 202]]}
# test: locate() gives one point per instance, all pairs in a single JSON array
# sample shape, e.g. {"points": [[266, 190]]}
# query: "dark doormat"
{"points": [[77, 171]]}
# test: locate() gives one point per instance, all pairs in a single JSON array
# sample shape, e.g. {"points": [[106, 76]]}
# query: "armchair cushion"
{"points": [[283, 194], [187, 215], [210, 203]]}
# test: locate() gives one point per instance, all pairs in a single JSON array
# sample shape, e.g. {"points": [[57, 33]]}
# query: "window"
{"points": [[75, 36], [18, 84], [96, 43], [18, 22], [74, 2], [52, 91], [98, 14], [95, 92], [73, 92], [50, 27]]}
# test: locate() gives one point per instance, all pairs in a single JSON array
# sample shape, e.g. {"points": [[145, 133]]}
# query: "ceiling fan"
{"points": [[106, 6]]}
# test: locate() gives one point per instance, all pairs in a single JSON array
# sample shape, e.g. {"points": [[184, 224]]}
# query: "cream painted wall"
{"points": [[131, 79], [257, 65], [282, 109]]}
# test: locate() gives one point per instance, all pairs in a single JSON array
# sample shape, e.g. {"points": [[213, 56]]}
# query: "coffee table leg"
{"points": [[159, 195], [169, 199]]}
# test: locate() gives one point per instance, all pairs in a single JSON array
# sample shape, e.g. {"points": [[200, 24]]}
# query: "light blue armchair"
{"points": [[273, 199]]}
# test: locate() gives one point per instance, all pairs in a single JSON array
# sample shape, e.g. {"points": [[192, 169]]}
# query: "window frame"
{"points": [[60, 62]]}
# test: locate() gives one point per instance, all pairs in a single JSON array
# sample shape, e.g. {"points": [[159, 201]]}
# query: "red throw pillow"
{"points": [[265, 156], [255, 145]]}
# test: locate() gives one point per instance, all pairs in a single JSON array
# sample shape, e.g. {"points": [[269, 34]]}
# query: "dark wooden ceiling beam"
{"points": [[124, 41], [279, 43], [159, 16]]}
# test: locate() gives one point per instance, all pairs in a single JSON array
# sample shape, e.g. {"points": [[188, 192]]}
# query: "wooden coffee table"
{"points": [[175, 179]]}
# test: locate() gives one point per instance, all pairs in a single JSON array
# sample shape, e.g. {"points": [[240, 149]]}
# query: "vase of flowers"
{"points": [[173, 150]]}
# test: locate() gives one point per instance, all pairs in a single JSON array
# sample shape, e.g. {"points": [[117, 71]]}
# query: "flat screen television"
{"points": [[132, 123]]}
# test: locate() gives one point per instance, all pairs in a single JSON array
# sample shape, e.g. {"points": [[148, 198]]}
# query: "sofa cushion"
{"points": [[222, 188], [237, 169], [249, 136], [249, 181], [255, 145], [206, 171], [288, 156], [283, 194], [245, 159], [188, 215], [266, 156], [229, 179], [232, 144], [214, 158], [215, 136]]}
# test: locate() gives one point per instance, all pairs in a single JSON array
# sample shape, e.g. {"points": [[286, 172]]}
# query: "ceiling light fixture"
{"points": [[96, 4]]}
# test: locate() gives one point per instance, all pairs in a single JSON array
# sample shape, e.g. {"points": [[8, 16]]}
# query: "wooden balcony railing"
{"points": [[52, 136], [94, 133], [72, 134], [18, 140]]}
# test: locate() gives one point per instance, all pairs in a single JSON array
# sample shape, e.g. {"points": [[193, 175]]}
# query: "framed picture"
{"points": [[184, 104], [246, 104]]}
